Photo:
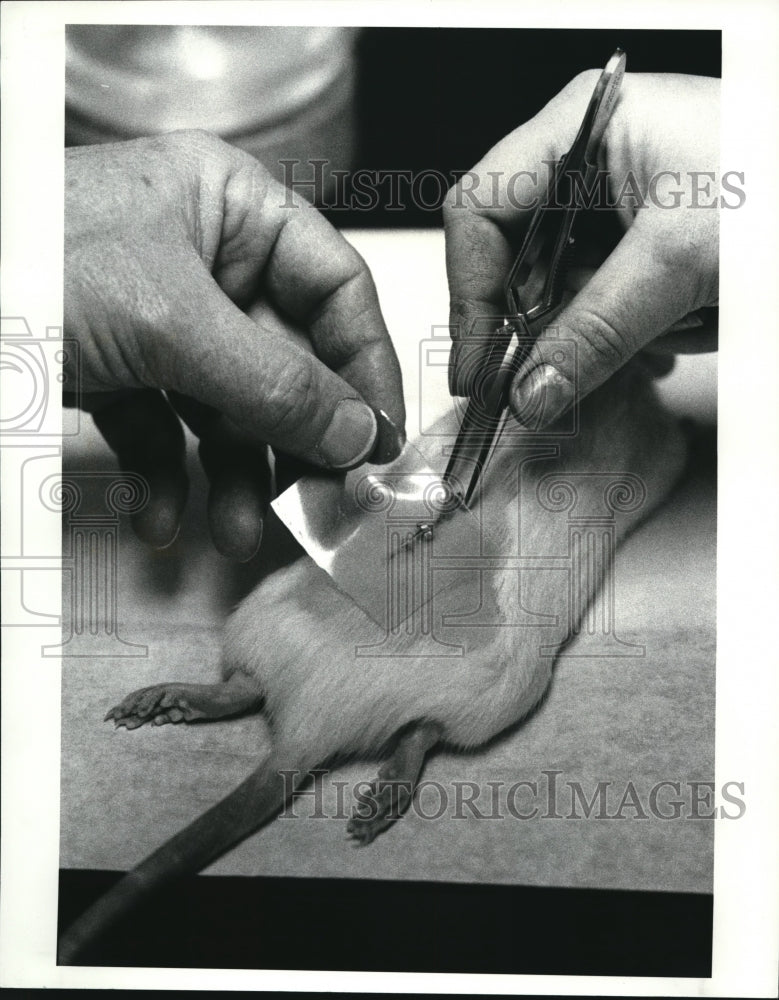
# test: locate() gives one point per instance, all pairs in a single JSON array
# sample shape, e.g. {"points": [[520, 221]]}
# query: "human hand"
{"points": [[651, 264], [198, 287]]}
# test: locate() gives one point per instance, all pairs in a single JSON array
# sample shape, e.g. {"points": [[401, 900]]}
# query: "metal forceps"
{"points": [[533, 292]]}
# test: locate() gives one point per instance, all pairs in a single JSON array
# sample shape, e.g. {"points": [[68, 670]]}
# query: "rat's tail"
{"points": [[232, 819]]}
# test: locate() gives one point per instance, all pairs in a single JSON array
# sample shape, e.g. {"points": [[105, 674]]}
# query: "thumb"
{"points": [[273, 387], [647, 283]]}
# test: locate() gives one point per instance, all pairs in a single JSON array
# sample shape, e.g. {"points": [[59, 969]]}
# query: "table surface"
{"points": [[641, 720]]}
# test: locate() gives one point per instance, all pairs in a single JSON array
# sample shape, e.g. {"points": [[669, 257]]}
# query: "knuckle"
{"points": [[462, 202], [686, 252], [290, 400], [453, 201], [247, 188], [604, 339], [709, 287], [195, 140], [582, 83], [459, 310], [354, 270], [696, 256], [249, 170], [352, 284], [202, 152]]}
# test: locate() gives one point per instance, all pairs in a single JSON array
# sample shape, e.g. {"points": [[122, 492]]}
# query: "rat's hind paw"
{"points": [[391, 793], [163, 703], [385, 803]]}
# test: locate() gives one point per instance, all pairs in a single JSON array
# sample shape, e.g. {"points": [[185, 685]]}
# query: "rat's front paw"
{"points": [[163, 703]]}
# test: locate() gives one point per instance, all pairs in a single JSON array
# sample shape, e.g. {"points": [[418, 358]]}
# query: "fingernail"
{"points": [[542, 396], [236, 538], [389, 440], [158, 526], [350, 435], [158, 523]]}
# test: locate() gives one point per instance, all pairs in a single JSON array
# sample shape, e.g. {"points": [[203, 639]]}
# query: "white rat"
{"points": [[289, 649]]}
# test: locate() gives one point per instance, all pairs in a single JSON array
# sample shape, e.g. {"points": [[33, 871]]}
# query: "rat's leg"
{"points": [[393, 789], [163, 703]]}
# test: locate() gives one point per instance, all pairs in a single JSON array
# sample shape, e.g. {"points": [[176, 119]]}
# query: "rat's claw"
{"points": [[385, 803], [172, 702], [159, 704], [353, 835]]}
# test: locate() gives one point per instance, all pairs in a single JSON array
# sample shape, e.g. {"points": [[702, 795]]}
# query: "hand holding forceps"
{"points": [[533, 290]]}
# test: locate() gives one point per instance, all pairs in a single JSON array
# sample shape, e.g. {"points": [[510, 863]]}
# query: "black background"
{"points": [[372, 926], [440, 98]]}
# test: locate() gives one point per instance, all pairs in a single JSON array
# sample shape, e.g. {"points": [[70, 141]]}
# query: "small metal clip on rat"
{"points": [[533, 289]]}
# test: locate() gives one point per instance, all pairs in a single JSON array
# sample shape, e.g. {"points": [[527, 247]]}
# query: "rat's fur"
{"points": [[356, 704], [291, 642]]}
